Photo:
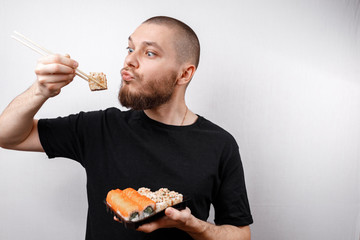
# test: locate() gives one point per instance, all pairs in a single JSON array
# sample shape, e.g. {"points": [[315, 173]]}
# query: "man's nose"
{"points": [[131, 60]]}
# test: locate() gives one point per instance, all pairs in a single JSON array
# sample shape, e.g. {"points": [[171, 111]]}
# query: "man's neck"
{"points": [[169, 113], [174, 112]]}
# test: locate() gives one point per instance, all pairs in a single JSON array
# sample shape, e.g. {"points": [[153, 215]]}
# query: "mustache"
{"points": [[125, 68], [128, 69]]}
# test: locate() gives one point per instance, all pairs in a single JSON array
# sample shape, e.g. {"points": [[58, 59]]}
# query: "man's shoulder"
{"points": [[94, 117], [108, 112], [100, 112], [215, 129]]}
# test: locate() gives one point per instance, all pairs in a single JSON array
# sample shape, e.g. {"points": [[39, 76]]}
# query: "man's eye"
{"points": [[150, 54], [130, 50]]}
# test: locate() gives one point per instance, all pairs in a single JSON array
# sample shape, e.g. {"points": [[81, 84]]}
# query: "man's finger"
{"points": [[173, 214], [177, 215], [148, 227], [57, 58], [56, 78], [53, 68]]}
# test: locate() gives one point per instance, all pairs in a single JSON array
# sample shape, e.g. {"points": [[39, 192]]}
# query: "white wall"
{"points": [[282, 76]]}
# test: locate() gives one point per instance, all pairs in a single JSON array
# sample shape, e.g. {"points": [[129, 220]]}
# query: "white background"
{"points": [[282, 76]]}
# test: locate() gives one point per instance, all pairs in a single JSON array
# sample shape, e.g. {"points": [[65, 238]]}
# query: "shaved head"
{"points": [[186, 42]]}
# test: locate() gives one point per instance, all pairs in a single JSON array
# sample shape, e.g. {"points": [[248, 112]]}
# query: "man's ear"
{"points": [[186, 75]]}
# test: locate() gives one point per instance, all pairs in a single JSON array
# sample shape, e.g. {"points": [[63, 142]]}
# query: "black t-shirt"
{"points": [[121, 149]]}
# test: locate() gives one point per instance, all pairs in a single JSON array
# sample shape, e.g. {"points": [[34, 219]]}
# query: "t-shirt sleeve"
{"points": [[62, 137], [231, 204]]}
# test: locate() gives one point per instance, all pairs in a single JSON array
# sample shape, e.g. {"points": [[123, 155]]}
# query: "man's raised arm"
{"points": [[18, 128]]}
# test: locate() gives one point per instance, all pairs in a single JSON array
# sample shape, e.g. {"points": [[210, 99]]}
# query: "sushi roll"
{"points": [[146, 205], [133, 206], [144, 190], [162, 203], [175, 197], [163, 197], [101, 78], [123, 206], [162, 192]]}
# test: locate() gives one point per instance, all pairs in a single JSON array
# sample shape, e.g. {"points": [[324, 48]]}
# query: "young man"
{"points": [[158, 143]]}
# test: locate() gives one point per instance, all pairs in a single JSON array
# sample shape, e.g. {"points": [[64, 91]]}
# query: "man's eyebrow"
{"points": [[148, 43], [154, 44]]}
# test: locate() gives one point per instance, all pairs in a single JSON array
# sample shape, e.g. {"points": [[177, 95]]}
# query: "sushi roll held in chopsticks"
{"points": [[123, 205], [101, 78]]}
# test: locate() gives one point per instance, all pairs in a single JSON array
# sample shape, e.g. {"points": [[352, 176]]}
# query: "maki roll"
{"points": [[132, 206], [123, 205], [163, 197], [146, 205], [101, 78]]}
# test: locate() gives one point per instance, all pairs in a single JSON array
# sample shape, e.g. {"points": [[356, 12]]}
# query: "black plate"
{"points": [[134, 225]]}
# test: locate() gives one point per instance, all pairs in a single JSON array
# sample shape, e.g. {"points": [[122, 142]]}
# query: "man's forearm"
{"points": [[16, 121], [17, 126], [200, 230]]}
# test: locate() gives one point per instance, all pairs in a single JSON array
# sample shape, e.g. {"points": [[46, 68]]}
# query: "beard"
{"points": [[149, 95]]}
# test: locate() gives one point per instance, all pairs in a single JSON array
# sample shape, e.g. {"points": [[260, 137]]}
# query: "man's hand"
{"points": [[172, 218], [54, 72], [196, 228]]}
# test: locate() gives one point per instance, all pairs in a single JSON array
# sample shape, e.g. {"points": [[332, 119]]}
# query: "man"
{"points": [[158, 143]]}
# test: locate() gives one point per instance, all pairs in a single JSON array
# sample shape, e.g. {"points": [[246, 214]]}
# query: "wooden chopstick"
{"points": [[28, 45], [43, 51], [34, 43], [48, 52]]}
